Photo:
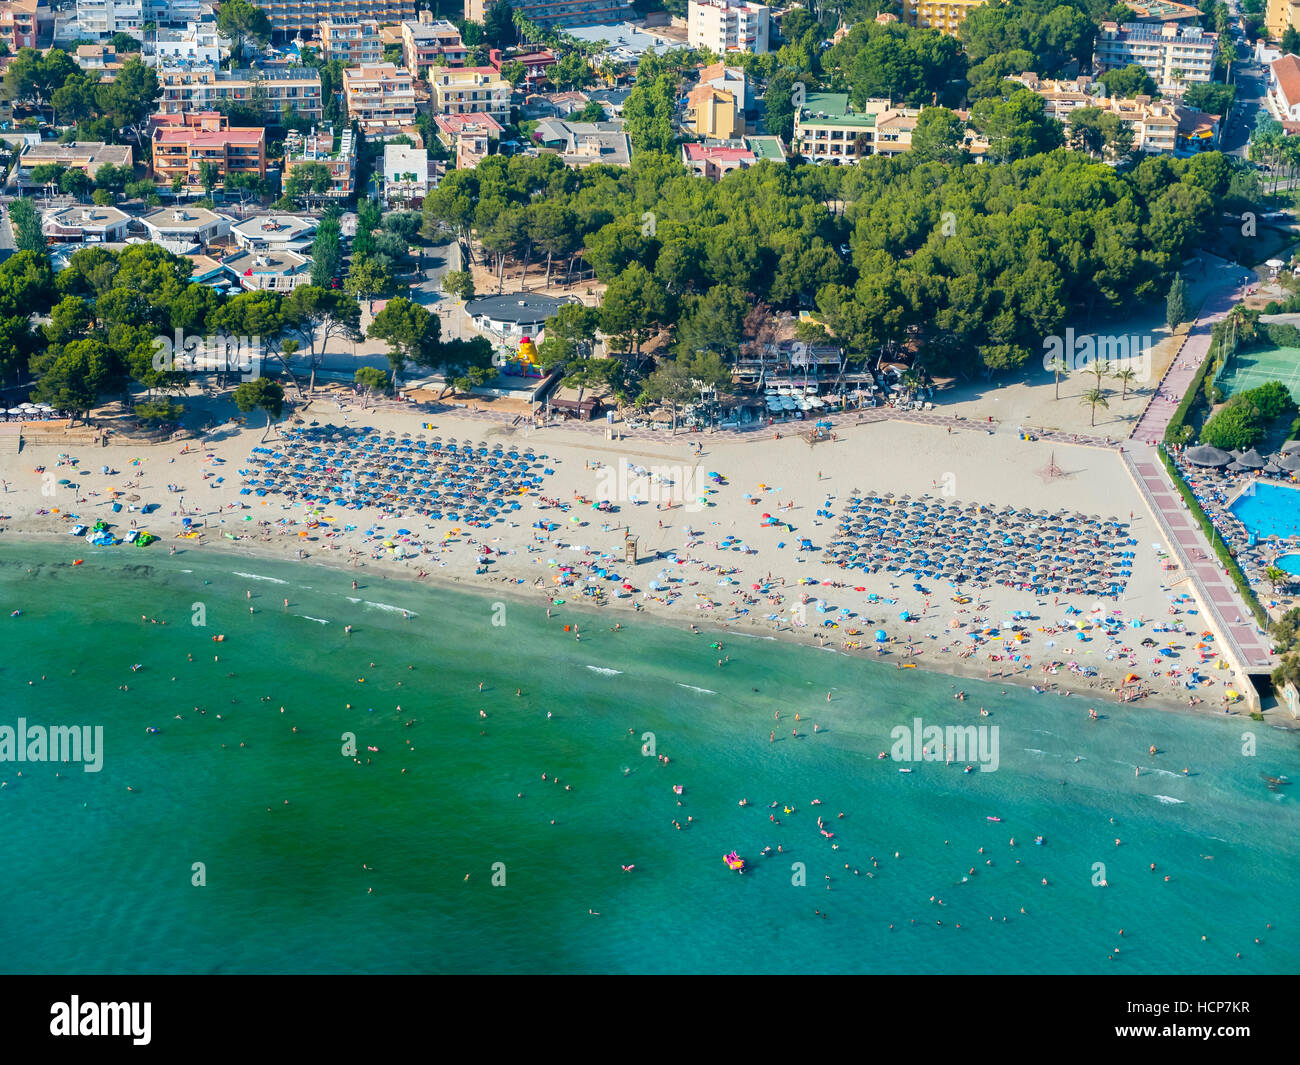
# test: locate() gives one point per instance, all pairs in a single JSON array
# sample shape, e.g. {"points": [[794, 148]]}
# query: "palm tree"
{"points": [[1058, 367], [912, 379], [1125, 377], [1263, 148], [1094, 397], [1276, 576], [1098, 368], [1290, 154]]}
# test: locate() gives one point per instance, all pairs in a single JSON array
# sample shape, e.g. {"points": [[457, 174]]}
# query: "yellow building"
{"points": [[713, 113], [1281, 15], [942, 15]]}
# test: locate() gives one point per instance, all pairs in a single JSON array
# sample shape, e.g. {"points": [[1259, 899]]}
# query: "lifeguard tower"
{"points": [[629, 550]]}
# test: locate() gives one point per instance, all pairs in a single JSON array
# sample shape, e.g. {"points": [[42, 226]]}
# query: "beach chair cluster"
{"points": [[355, 468], [1047, 552]]}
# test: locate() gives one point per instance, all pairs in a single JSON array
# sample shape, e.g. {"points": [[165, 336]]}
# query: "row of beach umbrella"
{"points": [[462, 480]]}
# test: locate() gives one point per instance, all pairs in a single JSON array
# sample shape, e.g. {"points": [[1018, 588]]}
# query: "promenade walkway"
{"points": [[755, 431], [1232, 617], [1150, 428]]}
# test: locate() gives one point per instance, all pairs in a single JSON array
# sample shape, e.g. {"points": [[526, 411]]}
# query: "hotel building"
{"points": [[183, 143], [724, 26], [1160, 50]]}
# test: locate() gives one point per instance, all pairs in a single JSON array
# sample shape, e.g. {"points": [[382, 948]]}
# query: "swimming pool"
{"points": [[1288, 563], [1269, 510]]}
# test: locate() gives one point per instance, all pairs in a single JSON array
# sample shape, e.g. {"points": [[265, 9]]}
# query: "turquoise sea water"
{"points": [[99, 878]]}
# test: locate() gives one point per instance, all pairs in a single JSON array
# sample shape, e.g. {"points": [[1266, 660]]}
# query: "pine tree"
{"points": [[1176, 304]]}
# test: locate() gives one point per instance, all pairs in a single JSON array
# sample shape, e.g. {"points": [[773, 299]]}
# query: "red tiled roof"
{"points": [[1287, 72], [705, 152], [704, 93], [184, 118], [454, 123], [239, 135]]}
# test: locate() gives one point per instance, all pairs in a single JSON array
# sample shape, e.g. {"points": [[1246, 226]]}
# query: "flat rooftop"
{"points": [[622, 35]]}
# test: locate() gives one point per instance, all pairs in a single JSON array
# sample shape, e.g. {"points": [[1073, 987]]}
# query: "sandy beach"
{"points": [[1054, 642]]}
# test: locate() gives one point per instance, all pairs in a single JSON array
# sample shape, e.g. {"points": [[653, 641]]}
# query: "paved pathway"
{"points": [[1232, 616], [759, 431], [1150, 428]]}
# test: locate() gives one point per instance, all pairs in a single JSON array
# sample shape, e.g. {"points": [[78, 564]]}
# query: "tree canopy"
{"points": [[970, 264]]}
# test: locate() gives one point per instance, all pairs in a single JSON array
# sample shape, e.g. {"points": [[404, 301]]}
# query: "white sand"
{"points": [[970, 465]]}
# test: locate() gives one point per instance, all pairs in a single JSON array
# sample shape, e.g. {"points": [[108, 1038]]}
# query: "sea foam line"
{"points": [[1169, 800], [692, 687], [256, 577], [604, 671], [308, 617], [385, 606]]}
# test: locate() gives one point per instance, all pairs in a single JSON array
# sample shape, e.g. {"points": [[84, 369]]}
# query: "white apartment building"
{"points": [[204, 88], [1284, 88], [103, 18], [353, 41], [428, 42], [1162, 50], [98, 19], [380, 98], [724, 26], [406, 174], [198, 42]]}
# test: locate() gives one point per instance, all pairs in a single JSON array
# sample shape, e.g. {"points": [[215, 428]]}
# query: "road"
{"points": [[7, 244], [1251, 80]]}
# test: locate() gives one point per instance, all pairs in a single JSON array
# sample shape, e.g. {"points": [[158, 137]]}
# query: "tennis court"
{"points": [[1250, 369]]}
